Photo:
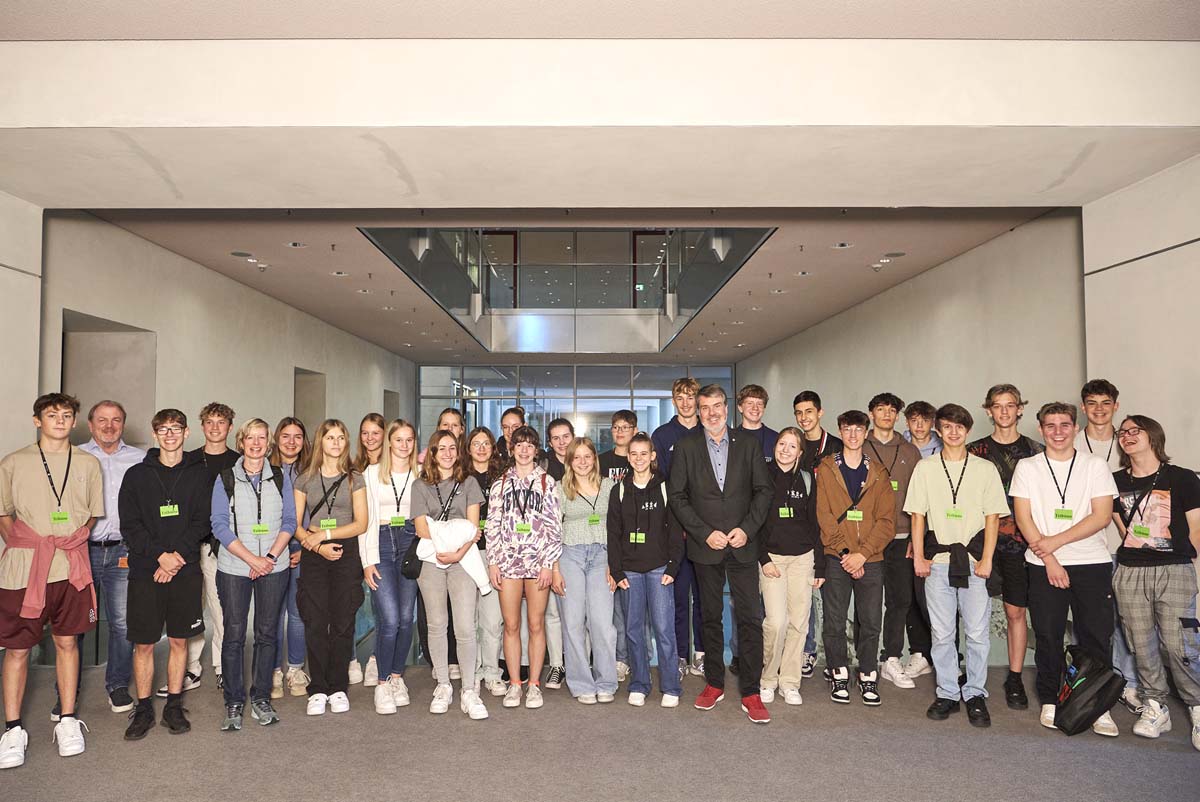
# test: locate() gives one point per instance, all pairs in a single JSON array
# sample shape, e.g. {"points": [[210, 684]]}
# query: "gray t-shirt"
{"points": [[339, 504], [427, 501]]}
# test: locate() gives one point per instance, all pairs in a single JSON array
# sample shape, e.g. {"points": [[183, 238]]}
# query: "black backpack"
{"points": [[1091, 686], [227, 482]]}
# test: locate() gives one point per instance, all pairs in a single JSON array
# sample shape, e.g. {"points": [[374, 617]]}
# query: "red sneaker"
{"points": [[754, 709], [709, 697]]}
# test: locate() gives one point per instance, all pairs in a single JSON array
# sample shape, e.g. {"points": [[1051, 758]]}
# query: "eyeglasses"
{"points": [[854, 430], [1132, 431], [622, 428], [163, 431]]}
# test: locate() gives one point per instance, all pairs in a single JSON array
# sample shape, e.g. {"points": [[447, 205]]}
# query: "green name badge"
{"points": [[1064, 515], [482, 523], [524, 529], [168, 511], [854, 515], [785, 512], [637, 537], [593, 520], [954, 514], [260, 529], [329, 523], [1141, 531], [895, 485], [59, 517], [397, 520]]}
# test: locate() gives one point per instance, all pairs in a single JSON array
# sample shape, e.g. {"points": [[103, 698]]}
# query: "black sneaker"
{"points": [[735, 666], [220, 682], [56, 711], [141, 721], [941, 709], [1014, 692], [868, 687], [977, 712], [810, 665], [190, 683], [120, 701], [556, 676], [174, 719], [839, 686]]}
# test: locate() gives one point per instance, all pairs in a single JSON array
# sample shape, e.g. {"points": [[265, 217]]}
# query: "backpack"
{"points": [[1091, 686], [227, 483], [661, 486]]}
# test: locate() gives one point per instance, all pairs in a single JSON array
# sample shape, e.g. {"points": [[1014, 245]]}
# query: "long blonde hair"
{"points": [[318, 453], [570, 487], [385, 459]]}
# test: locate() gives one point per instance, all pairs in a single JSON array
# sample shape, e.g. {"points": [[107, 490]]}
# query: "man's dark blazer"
{"points": [[699, 504]]}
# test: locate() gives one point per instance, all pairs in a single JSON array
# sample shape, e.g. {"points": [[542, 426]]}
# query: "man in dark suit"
{"points": [[720, 491]]}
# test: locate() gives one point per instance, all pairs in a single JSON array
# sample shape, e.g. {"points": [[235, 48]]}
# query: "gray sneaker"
{"points": [[262, 712], [233, 718]]}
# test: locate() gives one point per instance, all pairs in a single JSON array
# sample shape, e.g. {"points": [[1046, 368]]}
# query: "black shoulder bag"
{"points": [[410, 566]]}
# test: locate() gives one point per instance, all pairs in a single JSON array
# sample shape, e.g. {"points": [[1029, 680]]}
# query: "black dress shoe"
{"points": [[141, 721], [941, 709], [977, 712], [1014, 692]]}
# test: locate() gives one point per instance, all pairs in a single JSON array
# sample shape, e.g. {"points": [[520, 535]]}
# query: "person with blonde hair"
{"points": [[333, 498]]}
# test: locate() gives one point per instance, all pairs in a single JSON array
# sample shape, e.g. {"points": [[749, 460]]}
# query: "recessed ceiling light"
{"points": [[884, 260], [251, 259], [406, 322], [838, 246], [737, 323], [408, 345], [364, 291], [778, 291], [756, 309], [435, 340], [389, 309], [711, 341], [740, 345], [261, 265], [895, 254], [339, 274], [803, 273], [240, 254], [701, 348], [297, 245]]}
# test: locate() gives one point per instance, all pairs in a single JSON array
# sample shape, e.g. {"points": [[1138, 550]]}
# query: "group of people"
{"points": [[529, 555]]}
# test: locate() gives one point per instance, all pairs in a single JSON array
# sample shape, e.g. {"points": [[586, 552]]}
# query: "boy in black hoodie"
{"points": [[645, 545], [164, 504]]}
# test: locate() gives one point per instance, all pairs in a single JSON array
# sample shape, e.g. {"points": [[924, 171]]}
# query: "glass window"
{"points": [[604, 248], [487, 412], [440, 380], [539, 380], [539, 412], [431, 408], [489, 380], [716, 374], [499, 258], [547, 248], [603, 286], [656, 380], [546, 287], [593, 418], [652, 412], [599, 380]]}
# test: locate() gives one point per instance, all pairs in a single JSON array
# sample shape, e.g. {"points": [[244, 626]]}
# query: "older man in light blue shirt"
{"points": [[110, 560]]}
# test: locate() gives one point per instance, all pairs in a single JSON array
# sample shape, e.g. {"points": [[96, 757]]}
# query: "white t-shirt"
{"points": [[403, 483], [1111, 450], [1089, 479]]}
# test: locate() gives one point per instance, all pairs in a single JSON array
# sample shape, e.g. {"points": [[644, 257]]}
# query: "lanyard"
{"points": [[168, 494], [257, 488], [330, 496], [954, 488], [400, 495], [1062, 491], [591, 504], [895, 456], [522, 508], [1111, 443], [445, 513], [57, 495], [1138, 500], [792, 487]]}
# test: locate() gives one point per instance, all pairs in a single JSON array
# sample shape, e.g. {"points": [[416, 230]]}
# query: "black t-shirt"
{"points": [[613, 466], [485, 485], [214, 464], [815, 450], [1005, 457], [555, 468], [1157, 530]]}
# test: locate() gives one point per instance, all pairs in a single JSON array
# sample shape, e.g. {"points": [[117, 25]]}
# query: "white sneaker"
{"points": [[1106, 726], [472, 705], [917, 665], [622, 671], [355, 671], [1154, 721], [443, 695], [339, 702], [512, 697], [696, 669], [670, 700], [533, 698], [637, 699], [297, 681], [496, 687], [1195, 711], [893, 672], [792, 696], [316, 704], [1047, 716], [455, 671], [277, 684], [767, 695], [385, 702], [586, 698], [12, 748], [605, 698], [69, 735], [371, 673], [398, 690]]}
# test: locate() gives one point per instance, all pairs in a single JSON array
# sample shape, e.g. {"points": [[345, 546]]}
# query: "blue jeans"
{"points": [[587, 612], [112, 585], [687, 628], [619, 626], [268, 594], [291, 628], [648, 597], [394, 602], [945, 605]]}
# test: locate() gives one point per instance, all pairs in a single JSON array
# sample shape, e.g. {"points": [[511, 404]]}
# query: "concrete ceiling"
{"points": [[586, 19], [418, 329]]}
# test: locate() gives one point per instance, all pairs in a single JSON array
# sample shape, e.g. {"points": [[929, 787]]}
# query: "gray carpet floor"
{"points": [[568, 751]]}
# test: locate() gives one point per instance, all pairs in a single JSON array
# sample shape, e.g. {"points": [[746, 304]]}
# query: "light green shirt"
{"points": [[980, 494]]}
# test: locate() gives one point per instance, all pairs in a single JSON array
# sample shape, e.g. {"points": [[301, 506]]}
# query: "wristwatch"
{"points": [[270, 556]]}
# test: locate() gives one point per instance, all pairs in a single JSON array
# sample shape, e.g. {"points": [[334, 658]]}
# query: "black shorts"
{"points": [[1010, 578], [175, 605]]}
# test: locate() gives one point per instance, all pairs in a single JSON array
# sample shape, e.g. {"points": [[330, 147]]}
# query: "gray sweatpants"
{"points": [[1158, 603], [436, 585]]}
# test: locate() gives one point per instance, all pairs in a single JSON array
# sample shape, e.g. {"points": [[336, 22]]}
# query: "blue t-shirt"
{"points": [[855, 478]]}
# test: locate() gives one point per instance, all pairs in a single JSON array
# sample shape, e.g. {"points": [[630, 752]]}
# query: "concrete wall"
{"points": [[20, 311], [1009, 310], [1142, 289], [112, 364], [216, 339]]}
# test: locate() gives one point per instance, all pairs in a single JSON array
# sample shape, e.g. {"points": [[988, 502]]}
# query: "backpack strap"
{"points": [[227, 483], [277, 478]]}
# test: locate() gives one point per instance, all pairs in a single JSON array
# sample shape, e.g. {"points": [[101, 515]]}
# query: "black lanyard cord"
{"points": [[1062, 491], [330, 493], [954, 488], [895, 457], [400, 495], [1111, 443], [169, 495], [1138, 500], [58, 495]]}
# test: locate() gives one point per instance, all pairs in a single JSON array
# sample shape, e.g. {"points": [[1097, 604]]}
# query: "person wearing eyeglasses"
{"points": [[1158, 516], [614, 464]]}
